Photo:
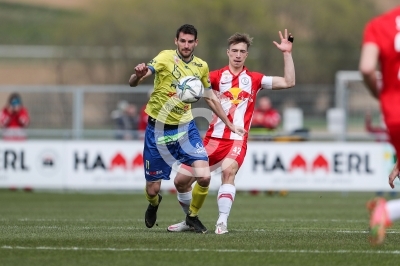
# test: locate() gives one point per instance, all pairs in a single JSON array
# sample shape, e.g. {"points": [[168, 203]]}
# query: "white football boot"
{"points": [[180, 227], [221, 229]]}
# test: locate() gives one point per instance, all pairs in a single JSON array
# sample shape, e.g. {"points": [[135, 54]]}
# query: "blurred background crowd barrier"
{"points": [[314, 112]]}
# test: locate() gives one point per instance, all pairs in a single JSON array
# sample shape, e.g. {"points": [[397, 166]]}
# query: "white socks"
{"points": [[393, 209], [184, 200], [226, 196]]}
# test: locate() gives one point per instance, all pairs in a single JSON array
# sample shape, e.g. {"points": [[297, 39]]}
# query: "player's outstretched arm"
{"points": [[289, 78], [141, 73], [367, 67], [216, 107]]}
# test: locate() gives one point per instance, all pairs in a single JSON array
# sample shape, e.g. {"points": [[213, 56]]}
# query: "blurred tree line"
{"points": [[327, 33]]}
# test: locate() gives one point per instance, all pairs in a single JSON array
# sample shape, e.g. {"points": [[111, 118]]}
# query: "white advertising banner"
{"points": [[316, 166], [118, 165], [105, 165], [33, 164]]}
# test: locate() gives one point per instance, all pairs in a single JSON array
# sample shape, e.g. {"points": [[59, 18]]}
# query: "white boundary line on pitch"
{"points": [[174, 220], [395, 252], [104, 227]]}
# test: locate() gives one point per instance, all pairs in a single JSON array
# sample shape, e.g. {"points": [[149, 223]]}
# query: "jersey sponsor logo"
{"points": [[200, 148], [153, 173], [176, 109], [176, 73], [197, 64], [168, 139], [235, 95], [245, 80]]}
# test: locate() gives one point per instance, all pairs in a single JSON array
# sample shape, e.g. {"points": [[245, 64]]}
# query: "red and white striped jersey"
{"points": [[238, 98]]}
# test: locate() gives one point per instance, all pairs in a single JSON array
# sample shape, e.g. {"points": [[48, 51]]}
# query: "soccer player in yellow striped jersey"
{"points": [[171, 134]]}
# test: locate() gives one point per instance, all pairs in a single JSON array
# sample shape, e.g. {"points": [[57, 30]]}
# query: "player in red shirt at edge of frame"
{"points": [[381, 45], [237, 88]]}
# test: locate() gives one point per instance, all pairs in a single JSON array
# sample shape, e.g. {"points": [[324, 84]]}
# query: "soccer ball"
{"points": [[190, 89]]}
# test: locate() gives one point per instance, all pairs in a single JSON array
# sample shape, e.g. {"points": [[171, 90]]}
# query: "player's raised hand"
{"points": [[141, 70], [286, 42]]}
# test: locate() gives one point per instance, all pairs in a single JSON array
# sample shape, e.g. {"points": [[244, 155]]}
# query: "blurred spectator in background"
{"points": [[126, 120], [143, 117], [265, 116], [14, 118]]}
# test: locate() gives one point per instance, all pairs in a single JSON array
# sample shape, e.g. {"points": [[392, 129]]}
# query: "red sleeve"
{"points": [[371, 33], [214, 79], [23, 117], [257, 77], [4, 118]]}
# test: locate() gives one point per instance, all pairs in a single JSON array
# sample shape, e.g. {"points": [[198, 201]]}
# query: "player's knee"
{"points": [[180, 185], [183, 182], [228, 176], [153, 188], [204, 181]]}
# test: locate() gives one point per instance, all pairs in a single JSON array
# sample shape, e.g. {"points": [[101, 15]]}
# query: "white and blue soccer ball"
{"points": [[190, 89]]}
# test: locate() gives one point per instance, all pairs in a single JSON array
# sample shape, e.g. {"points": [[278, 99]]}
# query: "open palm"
{"points": [[285, 45]]}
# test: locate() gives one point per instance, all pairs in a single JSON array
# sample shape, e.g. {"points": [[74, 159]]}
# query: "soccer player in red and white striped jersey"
{"points": [[237, 88]]}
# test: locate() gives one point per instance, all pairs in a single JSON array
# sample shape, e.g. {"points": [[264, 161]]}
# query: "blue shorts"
{"points": [[165, 146]]}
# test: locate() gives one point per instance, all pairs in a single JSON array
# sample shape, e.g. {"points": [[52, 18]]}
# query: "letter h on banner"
{"points": [[262, 162]]}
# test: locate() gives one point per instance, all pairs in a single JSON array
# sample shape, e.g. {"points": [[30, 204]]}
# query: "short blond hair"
{"points": [[240, 37]]}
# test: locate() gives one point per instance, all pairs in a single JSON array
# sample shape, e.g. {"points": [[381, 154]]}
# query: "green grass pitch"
{"points": [[303, 228]]}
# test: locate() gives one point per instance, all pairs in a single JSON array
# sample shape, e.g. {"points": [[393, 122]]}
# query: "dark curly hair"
{"points": [[187, 29]]}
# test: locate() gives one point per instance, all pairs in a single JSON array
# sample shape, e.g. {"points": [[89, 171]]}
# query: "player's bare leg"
{"points": [[199, 194], [226, 194], [183, 184]]}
